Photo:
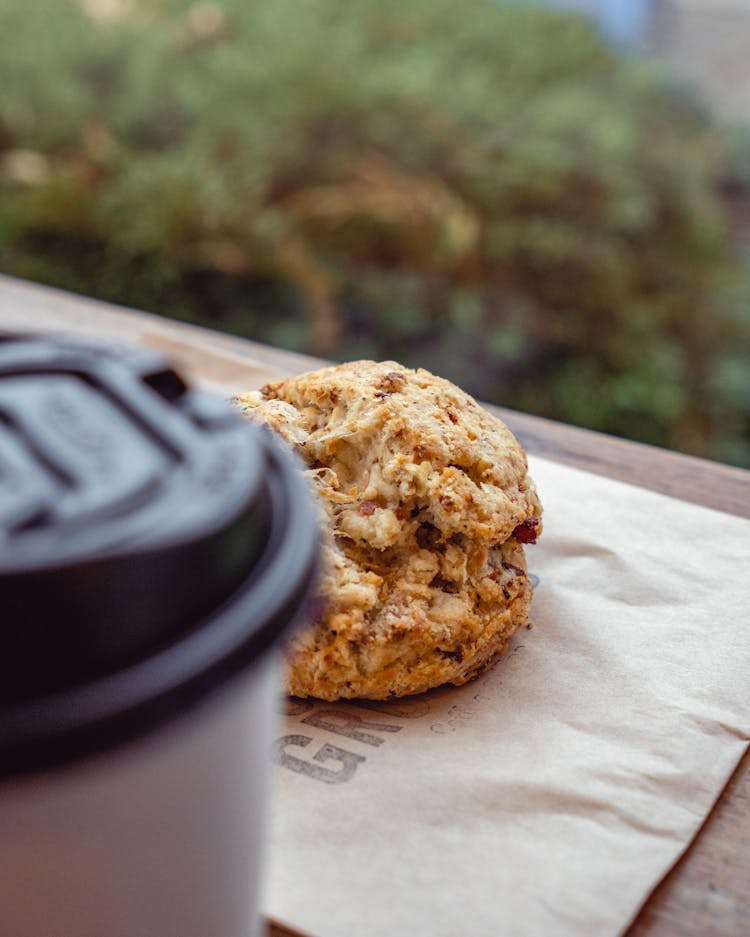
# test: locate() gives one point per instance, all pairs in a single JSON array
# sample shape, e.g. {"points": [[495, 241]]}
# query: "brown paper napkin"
{"points": [[551, 795]]}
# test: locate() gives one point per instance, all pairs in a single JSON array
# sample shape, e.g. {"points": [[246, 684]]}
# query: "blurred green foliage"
{"points": [[481, 188]]}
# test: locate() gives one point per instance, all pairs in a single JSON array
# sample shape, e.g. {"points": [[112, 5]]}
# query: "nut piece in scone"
{"points": [[427, 504]]}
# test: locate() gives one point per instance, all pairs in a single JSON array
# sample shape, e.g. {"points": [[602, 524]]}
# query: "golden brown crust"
{"points": [[426, 497]]}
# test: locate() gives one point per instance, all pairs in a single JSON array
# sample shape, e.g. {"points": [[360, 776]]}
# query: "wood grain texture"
{"points": [[708, 892]]}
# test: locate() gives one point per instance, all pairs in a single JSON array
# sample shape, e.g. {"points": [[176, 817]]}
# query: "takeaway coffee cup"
{"points": [[153, 550]]}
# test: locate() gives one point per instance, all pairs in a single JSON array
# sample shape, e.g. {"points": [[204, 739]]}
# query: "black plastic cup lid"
{"points": [[152, 545]]}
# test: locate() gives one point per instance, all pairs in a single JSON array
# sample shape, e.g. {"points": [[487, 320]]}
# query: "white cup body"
{"points": [[161, 837]]}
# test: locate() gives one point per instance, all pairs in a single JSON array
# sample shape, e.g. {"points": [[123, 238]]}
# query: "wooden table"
{"points": [[708, 893]]}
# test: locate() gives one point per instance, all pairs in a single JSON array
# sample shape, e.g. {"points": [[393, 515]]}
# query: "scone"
{"points": [[427, 504]]}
